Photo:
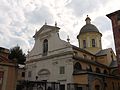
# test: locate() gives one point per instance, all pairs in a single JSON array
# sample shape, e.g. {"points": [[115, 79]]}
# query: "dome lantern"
{"points": [[88, 20]]}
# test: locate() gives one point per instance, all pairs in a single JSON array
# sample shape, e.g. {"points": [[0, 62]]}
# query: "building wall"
{"points": [[55, 44], [105, 82], [8, 68], [5, 72], [53, 66], [49, 70], [88, 37], [102, 59], [80, 79], [21, 74], [107, 58], [116, 32], [112, 84], [60, 54], [11, 79], [84, 55]]}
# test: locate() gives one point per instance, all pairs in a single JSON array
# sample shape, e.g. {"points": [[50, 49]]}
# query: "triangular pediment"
{"points": [[45, 29]]}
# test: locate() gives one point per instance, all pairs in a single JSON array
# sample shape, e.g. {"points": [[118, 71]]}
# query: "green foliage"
{"points": [[17, 54]]}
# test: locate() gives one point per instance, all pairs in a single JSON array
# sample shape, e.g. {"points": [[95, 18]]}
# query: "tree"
{"points": [[17, 54]]}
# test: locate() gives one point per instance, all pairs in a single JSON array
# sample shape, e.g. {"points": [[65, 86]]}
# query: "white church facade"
{"points": [[55, 60], [51, 57]]}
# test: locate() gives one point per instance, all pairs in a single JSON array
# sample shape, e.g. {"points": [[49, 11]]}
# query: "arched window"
{"points": [[93, 42], [105, 72], [84, 43], [77, 66], [98, 70], [45, 47]]}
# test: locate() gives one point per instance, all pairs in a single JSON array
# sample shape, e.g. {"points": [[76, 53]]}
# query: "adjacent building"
{"points": [[87, 67], [8, 75], [115, 18]]}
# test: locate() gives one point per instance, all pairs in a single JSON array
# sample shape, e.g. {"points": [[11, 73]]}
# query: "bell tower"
{"points": [[115, 19]]}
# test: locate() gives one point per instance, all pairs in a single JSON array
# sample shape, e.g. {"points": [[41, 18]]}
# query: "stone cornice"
{"points": [[82, 50], [98, 74], [8, 64], [51, 51], [113, 13], [89, 61], [51, 56]]}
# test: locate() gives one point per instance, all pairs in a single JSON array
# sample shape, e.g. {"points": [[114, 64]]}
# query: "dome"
{"points": [[89, 28]]}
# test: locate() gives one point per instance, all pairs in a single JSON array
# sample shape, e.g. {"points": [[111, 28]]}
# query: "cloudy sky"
{"points": [[19, 19]]}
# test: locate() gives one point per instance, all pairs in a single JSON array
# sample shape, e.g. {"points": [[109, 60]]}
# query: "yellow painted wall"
{"points": [[102, 59], [110, 82], [106, 84], [85, 65], [88, 37], [81, 54], [106, 59], [96, 82], [80, 79]]}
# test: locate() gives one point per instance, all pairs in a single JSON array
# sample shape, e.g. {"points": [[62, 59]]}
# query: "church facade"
{"points": [[87, 67]]}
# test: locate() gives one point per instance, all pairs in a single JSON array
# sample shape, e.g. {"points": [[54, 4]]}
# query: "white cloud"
{"points": [[39, 15], [83, 7], [107, 40], [102, 22], [20, 18]]}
